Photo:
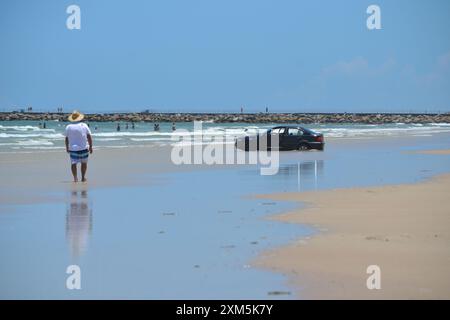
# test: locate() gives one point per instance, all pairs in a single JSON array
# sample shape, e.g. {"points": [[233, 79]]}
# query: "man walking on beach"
{"points": [[78, 144]]}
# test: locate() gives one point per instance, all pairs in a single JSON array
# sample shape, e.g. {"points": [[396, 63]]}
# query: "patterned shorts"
{"points": [[79, 156]]}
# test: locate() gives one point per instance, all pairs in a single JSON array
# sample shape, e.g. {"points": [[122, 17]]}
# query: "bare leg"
{"points": [[74, 172], [83, 171]]}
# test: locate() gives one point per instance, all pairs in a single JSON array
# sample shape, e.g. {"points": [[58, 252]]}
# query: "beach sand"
{"points": [[35, 177], [30, 176], [439, 151], [403, 229]]}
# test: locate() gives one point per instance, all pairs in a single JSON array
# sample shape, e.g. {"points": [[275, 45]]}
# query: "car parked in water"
{"points": [[289, 138]]}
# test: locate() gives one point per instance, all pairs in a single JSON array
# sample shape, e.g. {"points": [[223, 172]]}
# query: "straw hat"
{"points": [[76, 116]]}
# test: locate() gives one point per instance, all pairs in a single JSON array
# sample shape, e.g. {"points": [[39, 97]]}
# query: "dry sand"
{"points": [[439, 151], [404, 229]]}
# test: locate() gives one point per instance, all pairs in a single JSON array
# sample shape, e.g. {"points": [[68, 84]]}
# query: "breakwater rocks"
{"points": [[366, 118]]}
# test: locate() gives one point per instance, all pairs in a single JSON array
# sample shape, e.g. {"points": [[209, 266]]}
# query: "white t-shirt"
{"points": [[77, 134]]}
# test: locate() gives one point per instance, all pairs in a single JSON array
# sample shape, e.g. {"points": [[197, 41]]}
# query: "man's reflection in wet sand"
{"points": [[78, 222]]}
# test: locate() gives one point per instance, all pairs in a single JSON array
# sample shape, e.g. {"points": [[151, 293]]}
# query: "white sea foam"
{"points": [[108, 139], [148, 139], [24, 128], [440, 124], [195, 143], [380, 131], [30, 142], [208, 131], [32, 135], [43, 148]]}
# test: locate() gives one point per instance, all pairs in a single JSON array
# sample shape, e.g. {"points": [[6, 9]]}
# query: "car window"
{"points": [[308, 132], [278, 131], [295, 132]]}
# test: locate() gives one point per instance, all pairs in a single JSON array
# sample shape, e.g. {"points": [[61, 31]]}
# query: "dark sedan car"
{"points": [[289, 138]]}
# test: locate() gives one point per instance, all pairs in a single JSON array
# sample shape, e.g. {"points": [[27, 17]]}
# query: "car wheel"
{"points": [[303, 147]]}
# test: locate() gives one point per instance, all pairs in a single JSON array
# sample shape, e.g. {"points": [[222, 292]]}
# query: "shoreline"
{"points": [[306, 118], [155, 144], [404, 229]]}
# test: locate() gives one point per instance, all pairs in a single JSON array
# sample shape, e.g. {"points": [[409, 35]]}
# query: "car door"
{"points": [[280, 133], [292, 138]]}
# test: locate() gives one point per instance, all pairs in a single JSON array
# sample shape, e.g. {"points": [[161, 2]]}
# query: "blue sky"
{"points": [[217, 55]]}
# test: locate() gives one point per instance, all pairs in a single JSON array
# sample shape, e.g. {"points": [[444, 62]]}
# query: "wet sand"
{"points": [[404, 229], [29, 175]]}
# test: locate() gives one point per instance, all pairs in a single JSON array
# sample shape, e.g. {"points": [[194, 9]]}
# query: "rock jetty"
{"points": [[365, 118]]}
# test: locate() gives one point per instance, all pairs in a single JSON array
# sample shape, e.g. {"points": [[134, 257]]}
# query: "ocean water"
{"points": [[30, 135]]}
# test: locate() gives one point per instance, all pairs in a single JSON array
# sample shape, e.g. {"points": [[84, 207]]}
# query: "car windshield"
{"points": [[308, 131]]}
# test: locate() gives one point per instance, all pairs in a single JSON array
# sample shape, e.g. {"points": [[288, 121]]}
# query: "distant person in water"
{"points": [[126, 126], [78, 144], [174, 127], [118, 127], [132, 125], [156, 127], [44, 126]]}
